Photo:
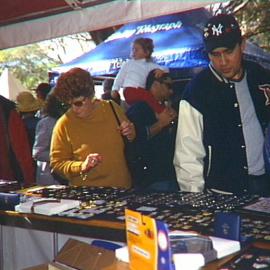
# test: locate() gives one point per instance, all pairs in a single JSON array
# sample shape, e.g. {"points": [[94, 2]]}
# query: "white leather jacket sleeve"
{"points": [[189, 149]]}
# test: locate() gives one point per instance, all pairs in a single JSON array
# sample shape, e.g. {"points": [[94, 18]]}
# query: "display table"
{"points": [[56, 230], [31, 239], [102, 229]]}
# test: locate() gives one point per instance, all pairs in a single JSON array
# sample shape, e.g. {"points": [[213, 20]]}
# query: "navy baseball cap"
{"points": [[221, 31], [165, 78]]}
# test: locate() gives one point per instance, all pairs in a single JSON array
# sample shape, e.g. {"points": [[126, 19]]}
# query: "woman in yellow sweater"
{"points": [[87, 146]]}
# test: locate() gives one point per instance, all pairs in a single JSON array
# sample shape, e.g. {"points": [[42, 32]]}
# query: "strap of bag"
{"points": [[130, 151], [117, 120], [115, 113]]}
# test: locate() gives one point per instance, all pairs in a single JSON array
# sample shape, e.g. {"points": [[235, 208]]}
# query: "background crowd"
{"points": [[214, 142]]}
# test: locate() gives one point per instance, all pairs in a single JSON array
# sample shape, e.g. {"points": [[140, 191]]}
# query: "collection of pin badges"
{"points": [[180, 210], [82, 193], [251, 258]]}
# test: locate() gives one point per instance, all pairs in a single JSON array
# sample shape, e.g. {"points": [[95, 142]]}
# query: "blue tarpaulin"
{"points": [[178, 45], [177, 39]]}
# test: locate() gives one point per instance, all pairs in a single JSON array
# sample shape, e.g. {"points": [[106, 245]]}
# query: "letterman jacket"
{"points": [[210, 148]]}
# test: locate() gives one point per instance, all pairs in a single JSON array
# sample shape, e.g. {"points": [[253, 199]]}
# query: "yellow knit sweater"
{"points": [[74, 138]]}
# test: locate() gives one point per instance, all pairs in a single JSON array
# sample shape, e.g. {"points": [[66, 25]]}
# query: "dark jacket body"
{"points": [[215, 102], [157, 151]]}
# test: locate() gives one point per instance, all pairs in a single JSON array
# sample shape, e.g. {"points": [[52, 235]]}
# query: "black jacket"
{"points": [[210, 146], [156, 152]]}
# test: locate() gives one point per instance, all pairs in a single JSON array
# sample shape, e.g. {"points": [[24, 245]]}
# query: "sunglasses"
{"points": [[169, 85], [167, 82], [78, 103]]}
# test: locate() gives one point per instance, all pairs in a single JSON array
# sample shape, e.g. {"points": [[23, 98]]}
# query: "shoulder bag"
{"points": [[137, 167]]}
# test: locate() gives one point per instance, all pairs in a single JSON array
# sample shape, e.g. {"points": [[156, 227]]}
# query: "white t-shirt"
{"points": [[134, 73], [252, 130]]}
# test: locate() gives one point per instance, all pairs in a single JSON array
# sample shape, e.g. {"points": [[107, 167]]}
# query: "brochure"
{"points": [[45, 206]]}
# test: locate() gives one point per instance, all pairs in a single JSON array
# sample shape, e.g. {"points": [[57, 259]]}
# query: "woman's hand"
{"points": [[91, 161], [127, 129]]}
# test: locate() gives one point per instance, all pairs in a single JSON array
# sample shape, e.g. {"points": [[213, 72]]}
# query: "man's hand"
{"points": [[166, 117]]}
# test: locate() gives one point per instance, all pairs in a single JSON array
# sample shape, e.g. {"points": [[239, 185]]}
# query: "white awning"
{"points": [[85, 18]]}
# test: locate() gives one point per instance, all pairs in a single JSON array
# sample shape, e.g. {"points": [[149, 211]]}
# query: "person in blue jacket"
{"points": [[222, 118]]}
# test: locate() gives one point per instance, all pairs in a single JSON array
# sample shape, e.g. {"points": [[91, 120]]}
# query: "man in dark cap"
{"points": [[42, 90], [222, 118], [155, 138]]}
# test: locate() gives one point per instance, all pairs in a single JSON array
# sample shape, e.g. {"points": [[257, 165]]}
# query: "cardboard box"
{"points": [[82, 256]]}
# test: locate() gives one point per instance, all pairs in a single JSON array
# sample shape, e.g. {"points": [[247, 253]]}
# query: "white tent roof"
{"points": [[24, 25], [10, 86]]}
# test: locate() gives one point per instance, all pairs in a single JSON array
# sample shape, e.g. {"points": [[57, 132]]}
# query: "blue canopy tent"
{"points": [[178, 45], [177, 39]]}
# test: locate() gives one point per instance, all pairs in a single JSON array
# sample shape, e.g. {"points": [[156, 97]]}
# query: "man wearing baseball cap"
{"points": [[155, 138], [222, 117]]}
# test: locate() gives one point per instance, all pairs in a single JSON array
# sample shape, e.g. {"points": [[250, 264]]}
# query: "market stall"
{"points": [[101, 215]]}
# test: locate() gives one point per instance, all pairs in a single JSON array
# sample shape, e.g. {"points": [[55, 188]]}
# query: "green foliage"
{"points": [[253, 15], [30, 64]]}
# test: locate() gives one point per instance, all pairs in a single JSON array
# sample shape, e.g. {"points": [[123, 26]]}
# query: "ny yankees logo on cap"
{"points": [[217, 30], [221, 31]]}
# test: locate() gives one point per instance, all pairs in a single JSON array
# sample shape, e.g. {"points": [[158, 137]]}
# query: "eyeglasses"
{"points": [[168, 85], [78, 103], [167, 82]]}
